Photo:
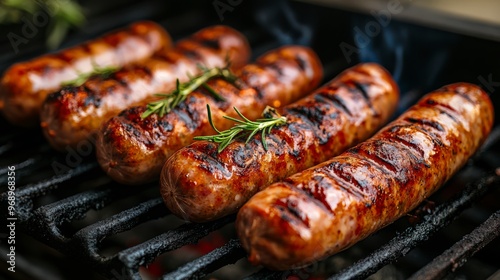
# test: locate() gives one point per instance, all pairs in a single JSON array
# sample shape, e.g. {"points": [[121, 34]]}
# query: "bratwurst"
{"points": [[75, 113], [199, 184], [133, 150], [25, 85], [331, 206]]}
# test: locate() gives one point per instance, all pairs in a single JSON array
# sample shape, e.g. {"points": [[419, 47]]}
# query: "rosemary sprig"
{"points": [[103, 72], [182, 90], [63, 14], [271, 118]]}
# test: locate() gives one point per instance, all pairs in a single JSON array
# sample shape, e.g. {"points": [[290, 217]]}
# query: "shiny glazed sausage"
{"points": [[331, 206], [199, 184], [25, 85], [74, 114], [133, 150]]}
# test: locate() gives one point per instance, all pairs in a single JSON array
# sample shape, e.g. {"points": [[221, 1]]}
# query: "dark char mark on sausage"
{"points": [[328, 93], [211, 44], [337, 172], [425, 122], [312, 118]]}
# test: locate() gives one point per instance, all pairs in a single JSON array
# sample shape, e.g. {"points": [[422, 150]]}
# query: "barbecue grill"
{"points": [[73, 222]]}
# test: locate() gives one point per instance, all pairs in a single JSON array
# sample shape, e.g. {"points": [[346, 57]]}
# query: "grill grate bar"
{"points": [[230, 253], [23, 164], [42, 187], [146, 252], [90, 236], [26, 167], [6, 147], [403, 243], [53, 215], [26, 194], [266, 274], [457, 255]]}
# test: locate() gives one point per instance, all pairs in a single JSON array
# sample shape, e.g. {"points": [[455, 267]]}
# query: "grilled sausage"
{"points": [[74, 114], [25, 85], [198, 184], [132, 150], [331, 206]]}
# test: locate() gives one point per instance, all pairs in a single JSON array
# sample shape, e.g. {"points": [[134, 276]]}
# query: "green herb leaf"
{"points": [[271, 118], [63, 15], [182, 90], [103, 72]]}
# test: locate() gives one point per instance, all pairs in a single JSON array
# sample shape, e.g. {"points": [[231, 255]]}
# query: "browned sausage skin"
{"points": [[198, 184], [132, 150], [75, 113], [331, 206], [25, 85]]}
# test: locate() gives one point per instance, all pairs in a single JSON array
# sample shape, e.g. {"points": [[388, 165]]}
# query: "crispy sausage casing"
{"points": [[198, 184], [25, 85], [331, 206], [132, 150], [74, 114]]}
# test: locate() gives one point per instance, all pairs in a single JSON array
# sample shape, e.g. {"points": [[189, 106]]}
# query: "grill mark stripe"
{"points": [[425, 122], [137, 68], [352, 186], [433, 137], [308, 123], [336, 101], [185, 118], [432, 103], [410, 146], [414, 150], [274, 67], [296, 212], [289, 215], [210, 160], [286, 209], [376, 161], [192, 53], [444, 109], [131, 127], [444, 112], [307, 192], [465, 96], [322, 99], [300, 62], [301, 113], [213, 44], [364, 93]]}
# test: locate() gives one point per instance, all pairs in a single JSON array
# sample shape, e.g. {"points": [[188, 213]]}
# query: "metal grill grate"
{"points": [[47, 204]]}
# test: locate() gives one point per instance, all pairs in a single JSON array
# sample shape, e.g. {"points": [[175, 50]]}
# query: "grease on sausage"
{"points": [[25, 85], [132, 150], [199, 184], [74, 114], [329, 207]]}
